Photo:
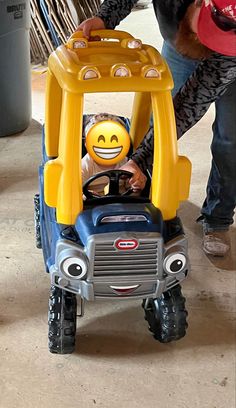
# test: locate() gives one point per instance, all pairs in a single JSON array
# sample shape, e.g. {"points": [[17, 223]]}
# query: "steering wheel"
{"points": [[114, 185]]}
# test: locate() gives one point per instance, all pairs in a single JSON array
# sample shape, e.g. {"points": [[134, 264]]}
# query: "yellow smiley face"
{"points": [[107, 142]]}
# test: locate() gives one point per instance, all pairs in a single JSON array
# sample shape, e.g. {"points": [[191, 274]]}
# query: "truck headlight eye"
{"points": [[74, 267], [174, 263]]}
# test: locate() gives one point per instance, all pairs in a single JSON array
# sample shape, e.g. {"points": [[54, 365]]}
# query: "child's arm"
{"points": [[87, 168]]}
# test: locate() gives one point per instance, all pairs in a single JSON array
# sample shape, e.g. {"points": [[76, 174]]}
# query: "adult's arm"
{"points": [[207, 83], [112, 12]]}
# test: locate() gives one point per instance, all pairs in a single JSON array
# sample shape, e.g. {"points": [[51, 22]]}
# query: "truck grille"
{"points": [[141, 261]]}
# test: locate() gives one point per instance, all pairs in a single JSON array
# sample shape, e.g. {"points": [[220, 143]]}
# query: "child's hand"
{"points": [[94, 23], [139, 179]]}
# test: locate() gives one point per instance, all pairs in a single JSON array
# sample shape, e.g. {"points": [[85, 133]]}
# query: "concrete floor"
{"points": [[117, 363]]}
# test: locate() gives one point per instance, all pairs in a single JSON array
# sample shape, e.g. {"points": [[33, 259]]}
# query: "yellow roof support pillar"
{"points": [[141, 114], [52, 115], [164, 178], [63, 178]]}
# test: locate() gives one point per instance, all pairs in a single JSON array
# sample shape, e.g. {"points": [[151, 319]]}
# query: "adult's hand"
{"points": [[139, 179], [94, 23]]}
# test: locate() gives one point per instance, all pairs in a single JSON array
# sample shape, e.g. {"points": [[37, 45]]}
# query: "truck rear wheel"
{"points": [[166, 315], [62, 321], [37, 221]]}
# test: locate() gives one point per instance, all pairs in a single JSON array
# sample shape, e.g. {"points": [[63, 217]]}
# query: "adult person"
{"points": [[200, 48]]}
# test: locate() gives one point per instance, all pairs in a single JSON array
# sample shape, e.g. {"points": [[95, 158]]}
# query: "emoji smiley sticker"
{"points": [[107, 142]]}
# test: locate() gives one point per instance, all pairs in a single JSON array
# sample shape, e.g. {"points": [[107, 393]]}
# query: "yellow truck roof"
{"points": [[120, 64]]}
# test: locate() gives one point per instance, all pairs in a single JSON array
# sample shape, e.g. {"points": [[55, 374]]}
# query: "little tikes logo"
{"points": [[126, 244]]}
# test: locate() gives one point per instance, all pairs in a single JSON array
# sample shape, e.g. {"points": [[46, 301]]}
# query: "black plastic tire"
{"points": [[37, 221], [62, 321], [167, 316]]}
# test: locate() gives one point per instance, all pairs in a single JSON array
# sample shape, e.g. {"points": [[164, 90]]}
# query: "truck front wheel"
{"points": [[62, 321], [166, 315]]}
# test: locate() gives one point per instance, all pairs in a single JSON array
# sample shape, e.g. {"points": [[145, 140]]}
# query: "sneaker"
{"points": [[216, 243]]}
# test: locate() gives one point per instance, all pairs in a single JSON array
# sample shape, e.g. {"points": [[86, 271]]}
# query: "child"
{"points": [[107, 142]]}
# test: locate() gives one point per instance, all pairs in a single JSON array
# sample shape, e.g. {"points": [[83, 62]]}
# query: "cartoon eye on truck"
{"points": [[117, 245]]}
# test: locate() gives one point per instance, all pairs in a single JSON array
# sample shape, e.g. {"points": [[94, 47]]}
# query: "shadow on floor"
{"points": [[33, 127], [20, 167], [121, 334], [124, 332]]}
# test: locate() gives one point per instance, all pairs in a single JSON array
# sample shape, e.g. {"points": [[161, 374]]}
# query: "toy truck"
{"points": [[117, 246]]}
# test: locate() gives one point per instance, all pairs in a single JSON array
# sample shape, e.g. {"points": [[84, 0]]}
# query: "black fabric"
{"points": [[168, 13]]}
